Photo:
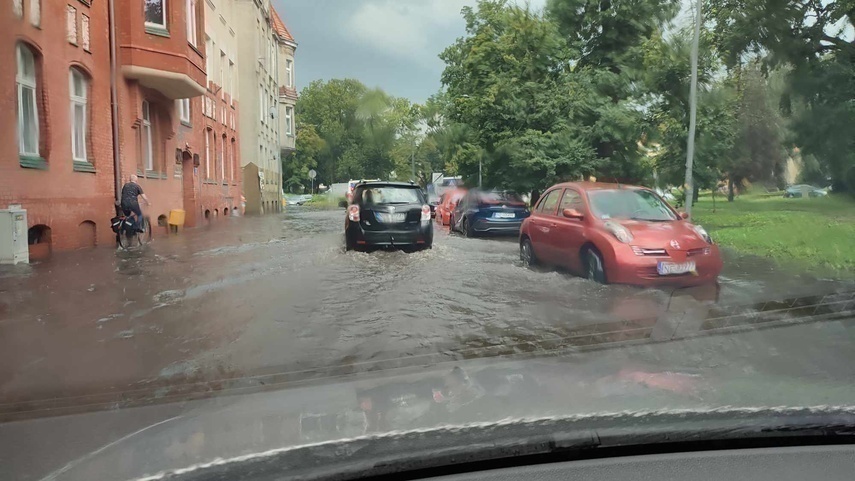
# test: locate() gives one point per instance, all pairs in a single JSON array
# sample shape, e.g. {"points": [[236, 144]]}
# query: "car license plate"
{"points": [[504, 215], [396, 217], [673, 268]]}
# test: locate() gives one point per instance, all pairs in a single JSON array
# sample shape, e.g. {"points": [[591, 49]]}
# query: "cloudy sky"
{"points": [[392, 44]]}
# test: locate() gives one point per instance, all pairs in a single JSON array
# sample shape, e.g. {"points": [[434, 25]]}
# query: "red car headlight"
{"points": [[703, 233]]}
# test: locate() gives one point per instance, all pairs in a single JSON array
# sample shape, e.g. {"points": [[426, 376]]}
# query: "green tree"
{"points": [[296, 165], [509, 87], [667, 77], [813, 40], [358, 129]]}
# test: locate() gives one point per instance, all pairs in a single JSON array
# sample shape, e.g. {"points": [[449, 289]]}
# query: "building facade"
{"points": [[177, 90], [286, 48], [258, 91], [176, 124], [55, 144]]}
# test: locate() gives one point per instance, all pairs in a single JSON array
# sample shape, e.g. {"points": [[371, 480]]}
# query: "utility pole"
{"points": [[480, 158], [693, 114]]}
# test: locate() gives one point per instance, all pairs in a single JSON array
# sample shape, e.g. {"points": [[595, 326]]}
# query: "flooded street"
{"points": [[249, 303]]}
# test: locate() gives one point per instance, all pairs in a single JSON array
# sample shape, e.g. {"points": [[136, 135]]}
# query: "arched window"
{"points": [[223, 158], [78, 93], [28, 110]]}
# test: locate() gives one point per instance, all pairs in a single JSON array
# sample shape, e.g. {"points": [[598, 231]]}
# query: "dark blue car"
{"points": [[482, 212]]}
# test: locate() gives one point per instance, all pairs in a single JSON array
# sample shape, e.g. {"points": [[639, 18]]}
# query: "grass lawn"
{"points": [[812, 234]]}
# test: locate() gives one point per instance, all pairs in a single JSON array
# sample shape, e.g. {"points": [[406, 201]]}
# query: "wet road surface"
{"points": [[248, 302]]}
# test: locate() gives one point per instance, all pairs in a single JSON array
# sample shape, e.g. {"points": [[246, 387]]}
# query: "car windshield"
{"points": [[390, 195], [241, 227], [632, 204]]}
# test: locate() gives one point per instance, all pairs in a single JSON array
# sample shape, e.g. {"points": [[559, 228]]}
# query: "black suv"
{"points": [[388, 214]]}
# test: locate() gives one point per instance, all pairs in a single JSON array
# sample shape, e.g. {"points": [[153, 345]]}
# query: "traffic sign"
{"points": [[312, 174]]}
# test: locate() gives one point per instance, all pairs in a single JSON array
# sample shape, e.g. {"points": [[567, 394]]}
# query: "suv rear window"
{"points": [[388, 194]]}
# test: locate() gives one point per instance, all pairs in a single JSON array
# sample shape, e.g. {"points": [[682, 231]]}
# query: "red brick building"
{"points": [[55, 142], [176, 132]]}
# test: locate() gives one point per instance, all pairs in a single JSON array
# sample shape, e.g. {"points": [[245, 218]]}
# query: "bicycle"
{"points": [[126, 233]]}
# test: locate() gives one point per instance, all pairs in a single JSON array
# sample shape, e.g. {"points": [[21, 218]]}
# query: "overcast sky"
{"points": [[392, 44]]}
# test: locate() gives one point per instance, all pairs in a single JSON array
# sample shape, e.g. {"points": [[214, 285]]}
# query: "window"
{"points": [[262, 109], [155, 13], [289, 73], [77, 93], [208, 153], [36, 12], [183, 110], [571, 200], [289, 120], [147, 145], [84, 32], [222, 73], [191, 22], [232, 92], [209, 57], [223, 154], [549, 202], [71, 24], [233, 164], [28, 114]]}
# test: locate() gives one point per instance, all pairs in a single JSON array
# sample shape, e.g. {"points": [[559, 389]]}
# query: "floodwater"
{"points": [[252, 303]]}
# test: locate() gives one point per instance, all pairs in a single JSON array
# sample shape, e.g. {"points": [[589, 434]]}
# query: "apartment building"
{"points": [[55, 145], [176, 122], [258, 91], [178, 85], [286, 48], [221, 158]]}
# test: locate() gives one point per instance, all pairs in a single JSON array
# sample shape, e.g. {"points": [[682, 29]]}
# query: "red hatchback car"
{"points": [[614, 233], [448, 201]]}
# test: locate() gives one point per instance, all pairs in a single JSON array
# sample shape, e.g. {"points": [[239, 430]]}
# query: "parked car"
{"points": [[447, 202], [614, 233], [802, 190], [497, 212], [390, 214], [303, 199]]}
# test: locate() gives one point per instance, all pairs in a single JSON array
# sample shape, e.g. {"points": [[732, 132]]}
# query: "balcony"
{"points": [[161, 59], [173, 85]]}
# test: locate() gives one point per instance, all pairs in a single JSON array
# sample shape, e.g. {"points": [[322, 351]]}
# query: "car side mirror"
{"points": [[684, 215], [573, 214]]}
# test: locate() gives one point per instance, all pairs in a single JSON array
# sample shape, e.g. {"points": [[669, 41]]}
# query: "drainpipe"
{"points": [[114, 102]]}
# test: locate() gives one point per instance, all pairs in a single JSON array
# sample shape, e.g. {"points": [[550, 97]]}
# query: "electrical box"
{"points": [[13, 236]]}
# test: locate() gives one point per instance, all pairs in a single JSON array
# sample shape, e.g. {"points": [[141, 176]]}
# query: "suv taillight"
{"points": [[425, 212], [353, 213]]}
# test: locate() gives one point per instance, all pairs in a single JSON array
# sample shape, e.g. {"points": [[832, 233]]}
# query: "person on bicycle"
{"points": [[130, 191]]}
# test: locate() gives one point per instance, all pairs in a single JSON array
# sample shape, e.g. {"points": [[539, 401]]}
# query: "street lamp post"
{"points": [[689, 193]]}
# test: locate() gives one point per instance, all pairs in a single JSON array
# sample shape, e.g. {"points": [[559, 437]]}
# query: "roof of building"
{"points": [[279, 26]]}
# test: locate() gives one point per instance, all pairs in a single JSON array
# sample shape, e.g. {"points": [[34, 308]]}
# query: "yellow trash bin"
{"points": [[176, 217]]}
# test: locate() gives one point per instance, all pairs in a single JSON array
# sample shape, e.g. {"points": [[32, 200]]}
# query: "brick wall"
{"points": [[56, 194]]}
